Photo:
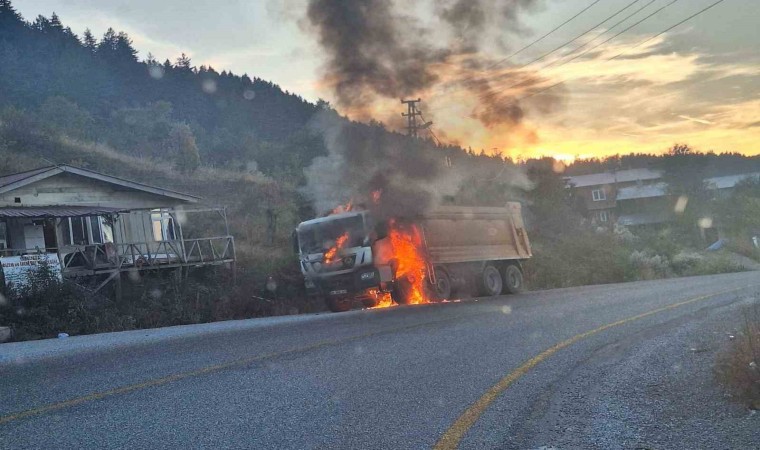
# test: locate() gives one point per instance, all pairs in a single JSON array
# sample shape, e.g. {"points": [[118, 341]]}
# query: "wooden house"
{"points": [[92, 223]]}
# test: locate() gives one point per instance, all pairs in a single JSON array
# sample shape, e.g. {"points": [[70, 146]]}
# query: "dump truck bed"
{"points": [[457, 234]]}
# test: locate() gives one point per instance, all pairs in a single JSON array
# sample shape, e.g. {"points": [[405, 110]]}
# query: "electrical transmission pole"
{"points": [[411, 115]]}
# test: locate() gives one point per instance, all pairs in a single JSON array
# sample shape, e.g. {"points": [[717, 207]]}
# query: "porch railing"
{"points": [[142, 255]]}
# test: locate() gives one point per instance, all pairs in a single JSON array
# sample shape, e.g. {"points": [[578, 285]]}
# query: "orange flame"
{"points": [[408, 250], [333, 251], [376, 196], [344, 208], [384, 300]]}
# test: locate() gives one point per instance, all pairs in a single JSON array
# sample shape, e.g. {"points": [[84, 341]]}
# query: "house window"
{"points": [[604, 216], [78, 230], [85, 231], [163, 226], [598, 195]]}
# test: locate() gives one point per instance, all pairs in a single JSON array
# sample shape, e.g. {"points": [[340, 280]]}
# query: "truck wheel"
{"points": [[491, 282], [402, 291], [513, 279], [339, 304], [370, 302], [442, 284]]}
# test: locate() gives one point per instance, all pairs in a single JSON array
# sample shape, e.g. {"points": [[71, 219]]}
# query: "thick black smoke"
{"points": [[471, 20], [372, 50]]}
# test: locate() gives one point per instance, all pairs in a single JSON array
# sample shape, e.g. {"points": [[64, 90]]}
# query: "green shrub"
{"points": [[713, 263], [46, 306], [584, 258]]}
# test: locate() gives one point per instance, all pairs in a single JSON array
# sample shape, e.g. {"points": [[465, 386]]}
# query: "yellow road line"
{"points": [[453, 436], [211, 369]]}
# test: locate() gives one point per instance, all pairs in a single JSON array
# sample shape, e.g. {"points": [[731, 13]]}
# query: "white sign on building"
{"points": [[17, 269]]}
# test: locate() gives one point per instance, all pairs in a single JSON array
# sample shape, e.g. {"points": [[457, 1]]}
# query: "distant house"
{"points": [[645, 204], [724, 185], [639, 197], [90, 224], [599, 191]]}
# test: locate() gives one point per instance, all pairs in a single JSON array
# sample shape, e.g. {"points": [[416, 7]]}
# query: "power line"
{"points": [[503, 60], [487, 95], [600, 35], [668, 29], [430, 129], [578, 36], [618, 34], [542, 37], [633, 47], [597, 46], [520, 83]]}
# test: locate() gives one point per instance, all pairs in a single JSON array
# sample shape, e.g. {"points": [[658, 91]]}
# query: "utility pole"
{"points": [[411, 116]]}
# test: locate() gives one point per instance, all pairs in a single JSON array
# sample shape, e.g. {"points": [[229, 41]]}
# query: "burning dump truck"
{"points": [[351, 258]]}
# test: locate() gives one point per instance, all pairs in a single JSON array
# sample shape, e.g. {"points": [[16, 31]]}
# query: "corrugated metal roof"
{"points": [[643, 191], [10, 179], [14, 181], [729, 181], [33, 212], [621, 176]]}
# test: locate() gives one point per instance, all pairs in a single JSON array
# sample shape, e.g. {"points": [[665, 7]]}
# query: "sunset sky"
{"points": [[697, 84]]}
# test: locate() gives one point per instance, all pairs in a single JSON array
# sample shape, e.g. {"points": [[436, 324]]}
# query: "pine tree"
{"points": [[10, 20], [88, 41], [123, 49], [41, 23], [55, 22], [183, 63], [108, 43], [8, 12]]}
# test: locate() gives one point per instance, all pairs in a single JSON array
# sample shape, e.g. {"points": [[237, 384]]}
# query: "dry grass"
{"points": [[148, 165], [739, 366]]}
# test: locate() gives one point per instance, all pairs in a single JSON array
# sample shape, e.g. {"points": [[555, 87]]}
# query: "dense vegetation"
{"points": [[243, 142]]}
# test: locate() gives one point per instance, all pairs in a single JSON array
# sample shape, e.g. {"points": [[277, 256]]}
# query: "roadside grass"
{"points": [[589, 257], [48, 306], [738, 367]]}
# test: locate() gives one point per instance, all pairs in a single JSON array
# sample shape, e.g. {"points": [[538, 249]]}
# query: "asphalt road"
{"points": [[614, 366]]}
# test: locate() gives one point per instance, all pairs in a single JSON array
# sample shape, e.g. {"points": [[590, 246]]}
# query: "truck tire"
{"points": [[339, 304], [491, 282], [443, 287], [370, 302], [513, 279], [402, 291]]}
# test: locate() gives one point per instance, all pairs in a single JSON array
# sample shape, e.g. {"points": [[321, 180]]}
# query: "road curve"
{"points": [[613, 366]]}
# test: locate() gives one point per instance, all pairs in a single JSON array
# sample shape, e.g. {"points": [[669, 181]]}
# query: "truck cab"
{"points": [[337, 259]]}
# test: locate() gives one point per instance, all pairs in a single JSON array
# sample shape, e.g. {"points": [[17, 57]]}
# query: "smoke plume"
{"points": [[372, 50], [376, 51], [392, 175], [384, 49], [372, 168]]}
